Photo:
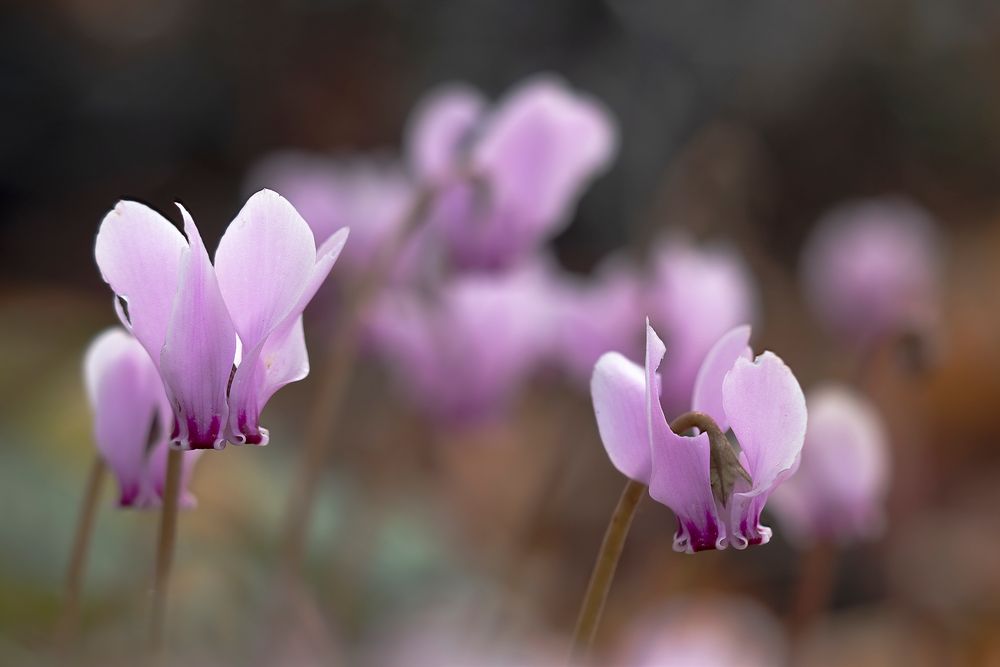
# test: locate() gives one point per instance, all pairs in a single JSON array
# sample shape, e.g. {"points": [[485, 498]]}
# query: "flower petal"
{"points": [[618, 389], [442, 122], [138, 252], [539, 149], [157, 476], [197, 358], [680, 468], [126, 396], [767, 412], [708, 385], [263, 263]]}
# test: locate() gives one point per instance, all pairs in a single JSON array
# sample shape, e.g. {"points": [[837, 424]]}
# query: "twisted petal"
{"points": [[680, 468], [197, 358], [268, 272], [720, 360], [440, 125], [138, 252], [618, 390], [767, 412], [125, 396]]}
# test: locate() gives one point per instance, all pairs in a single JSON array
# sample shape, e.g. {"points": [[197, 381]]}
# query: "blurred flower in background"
{"points": [[839, 490], [872, 270]]}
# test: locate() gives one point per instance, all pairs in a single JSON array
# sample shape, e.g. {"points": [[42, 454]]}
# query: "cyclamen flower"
{"points": [[462, 354], [197, 321], [696, 295], [369, 194], [507, 178], [871, 269], [761, 402], [841, 485], [127, 400], [596, 315]]}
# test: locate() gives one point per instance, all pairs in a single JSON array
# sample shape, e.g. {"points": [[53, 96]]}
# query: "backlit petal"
{"points": [[618, 390], [440, 126], [720, 360]]}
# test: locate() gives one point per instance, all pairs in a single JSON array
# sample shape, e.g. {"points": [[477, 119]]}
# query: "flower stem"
{"points": [[69, 619], [604, 569], [165, 548], [614, 541], [333, 383]]}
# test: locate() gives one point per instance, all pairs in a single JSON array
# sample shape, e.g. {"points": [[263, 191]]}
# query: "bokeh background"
{"points": [[738, 121]]}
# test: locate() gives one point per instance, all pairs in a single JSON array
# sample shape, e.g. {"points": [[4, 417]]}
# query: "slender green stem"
{"points": [[338, 369], [604, 569], [614, 539], [69, 619], [165, 548]]}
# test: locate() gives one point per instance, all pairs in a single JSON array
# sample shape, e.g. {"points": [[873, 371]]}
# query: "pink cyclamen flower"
{"points": [[462, 354], [595, 315], [696, 295], [509, 177], [761, 402], [197, 321], [871, 269], [841, 485], [369, 194], [127, 400]]}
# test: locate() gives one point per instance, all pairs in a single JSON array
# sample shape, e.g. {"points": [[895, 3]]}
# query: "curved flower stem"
{"points": [[614, 541], [604, 569], [338, 369], [69, 619], [165, 548], [816, 580]]}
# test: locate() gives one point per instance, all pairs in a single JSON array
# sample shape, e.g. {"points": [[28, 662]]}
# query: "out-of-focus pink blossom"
{"points": [[759, 399], [705, 632], [594, 315], [371, 195], [507, 177], [695, 296], [871, 269], [840, 488], [462, 353], [127, 401], [224, 338]]}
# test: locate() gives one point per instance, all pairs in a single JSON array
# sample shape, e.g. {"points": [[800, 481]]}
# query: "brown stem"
{"points": [[614, 540], [69, 618], [338, 369], [604, 569], [165, 548], [817, 576]]}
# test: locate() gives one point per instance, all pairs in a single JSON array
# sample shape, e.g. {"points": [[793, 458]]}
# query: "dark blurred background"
{"points": [[743, 120]]}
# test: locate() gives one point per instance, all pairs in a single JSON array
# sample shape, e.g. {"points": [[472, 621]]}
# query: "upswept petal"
{"points": [[442, 122], [540, 147], [680, 468], [126, 396], [197, 358], [719, 361], [618, 388], [767, 412], [263, 262], [138, 252]]}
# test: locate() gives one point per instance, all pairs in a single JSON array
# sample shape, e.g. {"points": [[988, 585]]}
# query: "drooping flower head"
{"points": [[759, 399], [462, 353], [129, 405], [509, 177], [871, 269], [224, 338], [696, 295], [371, 195], [839, 490], [595, 315]]}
